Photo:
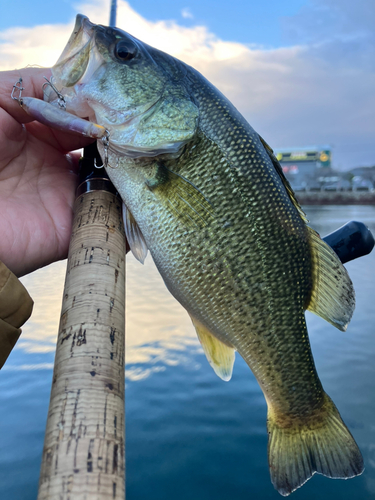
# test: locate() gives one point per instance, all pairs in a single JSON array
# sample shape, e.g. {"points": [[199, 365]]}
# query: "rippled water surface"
{"points": [[189, 434]]}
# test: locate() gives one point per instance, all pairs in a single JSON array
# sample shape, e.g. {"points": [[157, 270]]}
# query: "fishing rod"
{"points": [[84, 447]]}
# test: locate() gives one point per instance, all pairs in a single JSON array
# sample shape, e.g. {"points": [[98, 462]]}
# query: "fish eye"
{"points": [[125, 50]]}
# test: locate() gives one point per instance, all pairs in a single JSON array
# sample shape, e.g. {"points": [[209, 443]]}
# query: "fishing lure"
{"points": [[55, 117]]}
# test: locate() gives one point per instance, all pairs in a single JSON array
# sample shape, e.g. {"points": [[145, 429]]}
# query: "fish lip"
{"points": [[77, 48], [83, 22]]}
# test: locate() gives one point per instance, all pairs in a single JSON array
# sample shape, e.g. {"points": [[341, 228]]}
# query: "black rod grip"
{"points": [[351, 241]]}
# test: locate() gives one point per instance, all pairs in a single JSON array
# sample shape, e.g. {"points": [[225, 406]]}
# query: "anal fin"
{"points": [[332, 296], [219, 355]]}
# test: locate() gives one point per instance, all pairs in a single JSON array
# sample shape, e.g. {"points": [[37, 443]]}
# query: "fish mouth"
{"points": [[81, 70], [77, 55], [79, 60], [78, 64]]}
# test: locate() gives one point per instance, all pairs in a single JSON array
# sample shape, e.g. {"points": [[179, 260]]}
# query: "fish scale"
{"points": [[205, 194]]}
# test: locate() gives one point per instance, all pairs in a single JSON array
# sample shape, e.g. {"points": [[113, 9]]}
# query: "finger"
{"points": [[32, 82]]}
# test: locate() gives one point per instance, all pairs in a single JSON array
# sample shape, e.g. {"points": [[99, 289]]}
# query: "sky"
{"points": [[302, 72]]}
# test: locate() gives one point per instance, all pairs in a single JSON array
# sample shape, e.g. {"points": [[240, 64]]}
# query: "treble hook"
{"points": [[105, 141], [61, 102]]}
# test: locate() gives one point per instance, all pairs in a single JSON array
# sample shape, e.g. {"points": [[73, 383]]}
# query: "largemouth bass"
{"points": [[204, 193]]}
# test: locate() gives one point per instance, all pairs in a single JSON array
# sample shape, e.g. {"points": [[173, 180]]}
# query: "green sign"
{"points": [[321, 156]]}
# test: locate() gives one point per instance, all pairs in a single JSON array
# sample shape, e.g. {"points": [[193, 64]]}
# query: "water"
{"points": [[189, 434]]}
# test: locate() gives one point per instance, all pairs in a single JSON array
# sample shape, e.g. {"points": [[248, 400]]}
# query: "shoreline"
{"points": [[336, 197]]}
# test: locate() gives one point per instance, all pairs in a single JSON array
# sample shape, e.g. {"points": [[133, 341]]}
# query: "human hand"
{"points": [[38, 179]]}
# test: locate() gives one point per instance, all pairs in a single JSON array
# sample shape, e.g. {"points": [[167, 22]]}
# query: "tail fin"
{"points": [[322, 444]]}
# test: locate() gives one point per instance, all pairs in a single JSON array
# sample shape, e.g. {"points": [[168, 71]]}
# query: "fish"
{"points": [[204, 193]]}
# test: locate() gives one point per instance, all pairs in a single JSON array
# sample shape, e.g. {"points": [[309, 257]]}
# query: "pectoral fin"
{"points": [[332, 296], [181, 197], [134, 235], [219, 355]]}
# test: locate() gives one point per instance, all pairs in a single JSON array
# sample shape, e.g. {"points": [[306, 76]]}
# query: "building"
{"points": [[304, 166]]}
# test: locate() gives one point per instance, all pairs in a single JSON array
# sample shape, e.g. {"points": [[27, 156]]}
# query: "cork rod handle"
{"points": [[83, 455]]}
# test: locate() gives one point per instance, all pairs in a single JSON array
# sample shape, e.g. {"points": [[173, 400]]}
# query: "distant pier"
{"points": [[336, 197]]}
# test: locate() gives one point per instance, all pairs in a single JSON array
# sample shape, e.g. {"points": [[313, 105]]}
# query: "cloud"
{"points": [[186, 13], [40, 45], [326, 20], [318, 91]]}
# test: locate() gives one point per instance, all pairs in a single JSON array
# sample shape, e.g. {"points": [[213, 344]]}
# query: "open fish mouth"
{"points": [[73, 62], [100, 86], [79, 64]]}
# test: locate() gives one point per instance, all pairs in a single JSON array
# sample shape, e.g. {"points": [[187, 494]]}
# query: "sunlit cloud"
{"points": [[40, 45], [36, 347], [33, 367]]}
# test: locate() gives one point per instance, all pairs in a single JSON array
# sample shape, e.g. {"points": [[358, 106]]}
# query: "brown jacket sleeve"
{"points": [[15, 308]]}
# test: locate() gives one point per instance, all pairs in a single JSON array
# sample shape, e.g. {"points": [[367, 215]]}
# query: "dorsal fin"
{"points": [[332, 295], [219, 355], [284, 180]]}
